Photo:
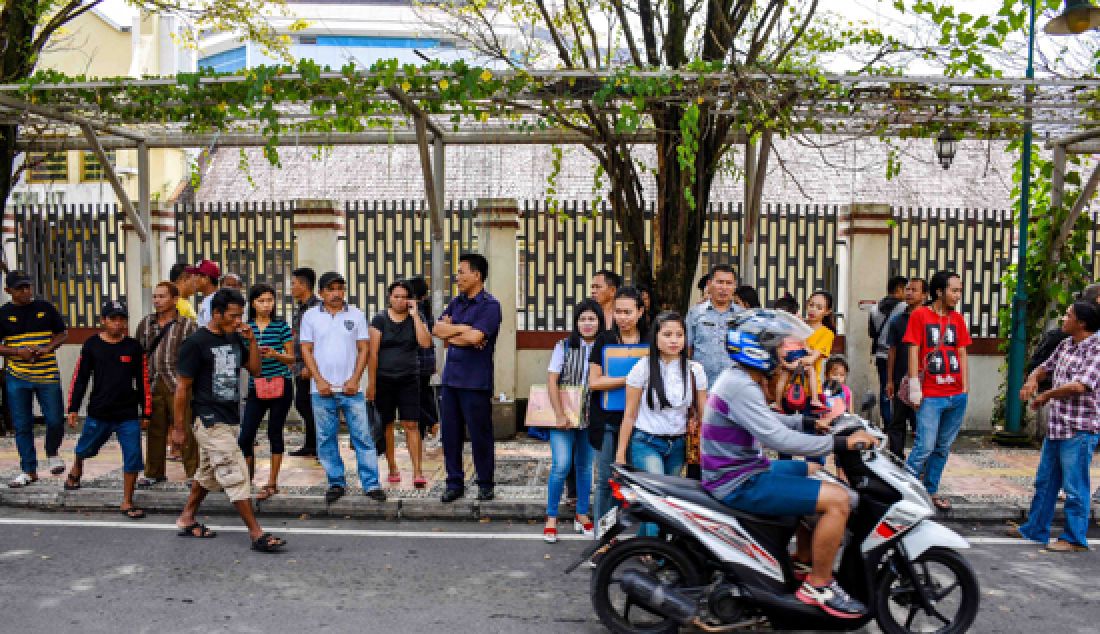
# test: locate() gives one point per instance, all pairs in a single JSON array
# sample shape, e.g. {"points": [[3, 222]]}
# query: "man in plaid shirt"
{"points": [[1074, 431]]}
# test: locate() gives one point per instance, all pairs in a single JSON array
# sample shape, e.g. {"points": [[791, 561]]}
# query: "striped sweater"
{"points": [[738, 424]]}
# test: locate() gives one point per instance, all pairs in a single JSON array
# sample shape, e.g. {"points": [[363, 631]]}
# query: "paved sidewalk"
{"points": [[985, 484]]}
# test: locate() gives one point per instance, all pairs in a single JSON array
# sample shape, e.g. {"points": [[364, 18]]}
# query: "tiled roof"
{"points": [[979, 178]]}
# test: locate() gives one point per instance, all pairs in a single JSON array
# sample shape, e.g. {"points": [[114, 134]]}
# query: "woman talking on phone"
{"points": [[272, 392]]}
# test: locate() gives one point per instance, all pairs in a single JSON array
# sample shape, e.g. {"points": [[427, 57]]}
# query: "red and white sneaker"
{"points": [[588, 529], [550, 535], [832, 599]]}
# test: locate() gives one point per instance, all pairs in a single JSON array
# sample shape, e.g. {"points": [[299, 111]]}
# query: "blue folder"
{"points": [[618, 361]]}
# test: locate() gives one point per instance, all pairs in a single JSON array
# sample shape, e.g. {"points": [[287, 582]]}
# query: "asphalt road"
{"points": [[103, 573]]}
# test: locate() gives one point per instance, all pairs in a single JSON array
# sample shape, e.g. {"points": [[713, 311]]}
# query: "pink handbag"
{"points": [[269, 389]]}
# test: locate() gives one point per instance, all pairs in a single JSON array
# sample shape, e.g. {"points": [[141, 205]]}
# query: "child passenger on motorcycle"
{"points": [[738, 424]]}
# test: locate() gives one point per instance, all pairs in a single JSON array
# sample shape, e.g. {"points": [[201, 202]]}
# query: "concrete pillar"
{"points": [[163, 229], [497, 227], [137, 279], [866, 228], [7, 234], [319, 236]]}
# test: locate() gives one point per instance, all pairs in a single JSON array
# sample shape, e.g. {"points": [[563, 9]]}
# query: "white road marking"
{"points": [[352, 532]]}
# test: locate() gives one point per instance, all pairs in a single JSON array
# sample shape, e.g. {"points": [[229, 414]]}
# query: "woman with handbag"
{"points": [[272, 393], [396, 336], [661, 391], [569, 446]]}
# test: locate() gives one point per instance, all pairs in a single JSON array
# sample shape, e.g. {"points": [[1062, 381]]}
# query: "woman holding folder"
{"points": [[569, 444], [625, 338]]}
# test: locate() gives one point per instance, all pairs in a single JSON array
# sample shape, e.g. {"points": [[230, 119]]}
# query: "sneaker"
{"points": [[22, 480], [550, 535], [450, 495], [485, 493], [56, 464], [832, 599], [378, 495], [334, 493]]}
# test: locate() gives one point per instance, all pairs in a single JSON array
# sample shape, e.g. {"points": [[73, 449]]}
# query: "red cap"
{"points": [[207, 268]]}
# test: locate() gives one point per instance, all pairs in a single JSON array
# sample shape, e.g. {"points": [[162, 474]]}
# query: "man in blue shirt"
{"points": [[708, 323], [468, 328]]}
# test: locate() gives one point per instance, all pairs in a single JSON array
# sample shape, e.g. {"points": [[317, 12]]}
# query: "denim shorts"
{"points": [[96, 432], [783, 490]]}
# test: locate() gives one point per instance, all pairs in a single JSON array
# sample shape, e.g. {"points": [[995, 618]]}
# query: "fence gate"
{"points": [[253, 240], [75, 254]]}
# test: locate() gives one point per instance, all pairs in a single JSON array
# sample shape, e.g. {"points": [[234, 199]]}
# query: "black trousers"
{"points": [[303, 402], [898, 426]]}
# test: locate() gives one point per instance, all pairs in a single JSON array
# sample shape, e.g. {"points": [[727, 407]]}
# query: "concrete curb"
{"points": [[359, 507]]}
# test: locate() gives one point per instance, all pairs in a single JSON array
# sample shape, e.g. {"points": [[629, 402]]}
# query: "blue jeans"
{"points": [[326, 411], [1063, 465], [656, 454], [885, 406], [569, 447], [604, 459], [97, 432], [938, 422], [21, 395]]}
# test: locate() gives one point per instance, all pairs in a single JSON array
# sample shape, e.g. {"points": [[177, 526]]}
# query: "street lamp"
{"points": [[945, 148], [1077, 17]]}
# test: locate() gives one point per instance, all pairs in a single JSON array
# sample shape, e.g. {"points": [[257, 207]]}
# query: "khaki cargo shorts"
{"points": [[221, 463]]}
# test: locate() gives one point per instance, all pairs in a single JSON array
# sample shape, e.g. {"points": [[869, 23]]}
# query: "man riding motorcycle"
{"points": [[738, 424]]}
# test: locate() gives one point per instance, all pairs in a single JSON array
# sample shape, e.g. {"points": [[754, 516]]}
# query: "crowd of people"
{"points": [[705, 392]]}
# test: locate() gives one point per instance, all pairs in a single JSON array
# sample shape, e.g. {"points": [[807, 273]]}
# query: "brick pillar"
{"points": [[497, 229], [867, 230], [319, 233]]}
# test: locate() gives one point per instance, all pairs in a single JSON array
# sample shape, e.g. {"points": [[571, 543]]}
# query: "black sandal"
{"points": [[134, 513], [189, 531], [71, 483], [267, 543]]}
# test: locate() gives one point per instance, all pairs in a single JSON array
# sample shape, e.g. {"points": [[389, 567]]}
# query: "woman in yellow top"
{"points": [[820, 317]]}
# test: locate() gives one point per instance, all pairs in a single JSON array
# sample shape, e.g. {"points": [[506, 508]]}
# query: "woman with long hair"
{"points": [[276, 386], [569, 446]]}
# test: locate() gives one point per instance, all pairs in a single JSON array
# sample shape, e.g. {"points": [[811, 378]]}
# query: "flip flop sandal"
{"points": [[204, 532], [71, 483], [267, 491], [941, 503], [134, 513], [420, 482], [394, 477], [267, 543]]}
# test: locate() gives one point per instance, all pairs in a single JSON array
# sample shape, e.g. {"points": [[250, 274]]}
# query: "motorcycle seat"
{"points": [[693, 491]]}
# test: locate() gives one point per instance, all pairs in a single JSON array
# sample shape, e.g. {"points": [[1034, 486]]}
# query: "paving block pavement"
{"points": [[984, 483]]}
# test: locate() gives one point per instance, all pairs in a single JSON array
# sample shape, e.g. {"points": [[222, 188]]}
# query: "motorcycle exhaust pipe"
{"points": [[668, 601]]}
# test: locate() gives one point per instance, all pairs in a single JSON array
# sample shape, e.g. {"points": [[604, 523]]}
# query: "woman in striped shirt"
{"points": [[275, 393]]}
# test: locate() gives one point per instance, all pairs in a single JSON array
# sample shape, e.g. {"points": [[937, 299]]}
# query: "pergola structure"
{"points": [[549, 109]]}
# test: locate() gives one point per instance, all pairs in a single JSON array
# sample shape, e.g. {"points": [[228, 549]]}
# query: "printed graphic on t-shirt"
{"points": [[225, 382], [935, 363], [349, 324], [953, 361]]}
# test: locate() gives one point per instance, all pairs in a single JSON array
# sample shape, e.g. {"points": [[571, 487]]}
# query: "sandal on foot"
{"points": [[394, 478], [941, 502], [267, 543], [420, 482], [134, 513], [71, 483], [189, 531], [267, 491]]}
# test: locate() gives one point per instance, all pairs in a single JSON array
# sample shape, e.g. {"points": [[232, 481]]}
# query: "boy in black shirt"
{"points": [[115, 364]]}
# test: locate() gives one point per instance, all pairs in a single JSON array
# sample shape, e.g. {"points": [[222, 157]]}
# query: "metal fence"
{"points": [[253, 240], [76, 255], [977, 244], [390, 240]]}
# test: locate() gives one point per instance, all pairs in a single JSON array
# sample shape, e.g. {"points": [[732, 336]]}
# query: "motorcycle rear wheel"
{"points": [[946, 577], [656, 557]]}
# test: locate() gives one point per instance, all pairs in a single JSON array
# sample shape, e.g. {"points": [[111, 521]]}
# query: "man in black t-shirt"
{"points": [[114, 363], [209, 378]]}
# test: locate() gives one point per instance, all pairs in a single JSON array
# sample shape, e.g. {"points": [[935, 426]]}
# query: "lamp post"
{"points": [[1077, 17], [946, 144]]}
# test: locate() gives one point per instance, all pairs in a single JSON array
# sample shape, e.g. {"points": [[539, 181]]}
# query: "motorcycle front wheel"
{"points": [[947, 580], [660, 559]]}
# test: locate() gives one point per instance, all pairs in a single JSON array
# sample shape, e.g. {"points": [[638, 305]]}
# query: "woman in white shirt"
{"points": [[660, 391], [569, 445]]}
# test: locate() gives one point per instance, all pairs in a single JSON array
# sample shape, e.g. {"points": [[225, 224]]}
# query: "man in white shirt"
{"points": [[206, 274], [334, 347]]}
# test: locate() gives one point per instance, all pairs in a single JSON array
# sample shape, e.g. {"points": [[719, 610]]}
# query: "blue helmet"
{"points": [[755, 335]]}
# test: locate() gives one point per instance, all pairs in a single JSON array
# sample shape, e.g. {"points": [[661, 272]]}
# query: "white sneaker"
{"points": [[21, 481], [56, 464]]}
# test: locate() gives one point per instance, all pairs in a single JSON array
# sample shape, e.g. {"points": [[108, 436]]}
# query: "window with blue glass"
{"points": [[370, 41], [226, 61]]}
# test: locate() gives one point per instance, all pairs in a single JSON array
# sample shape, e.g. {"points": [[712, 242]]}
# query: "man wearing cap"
{"points": [[207, 274], [114, 363], [334, 347], [31, 330]]}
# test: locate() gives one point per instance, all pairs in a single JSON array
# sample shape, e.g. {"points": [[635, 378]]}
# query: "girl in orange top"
{"points": [[820, 317]]}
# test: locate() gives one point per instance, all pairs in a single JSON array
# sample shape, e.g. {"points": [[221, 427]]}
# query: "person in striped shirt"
{"points": [[275, 394], [31, 331]]}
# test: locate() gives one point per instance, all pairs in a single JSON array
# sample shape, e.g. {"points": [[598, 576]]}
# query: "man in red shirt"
{"points": [[938, 337]]}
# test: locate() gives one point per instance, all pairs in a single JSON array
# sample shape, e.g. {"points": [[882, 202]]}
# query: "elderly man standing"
{"points": [[708, 323], [1073, 433]]}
